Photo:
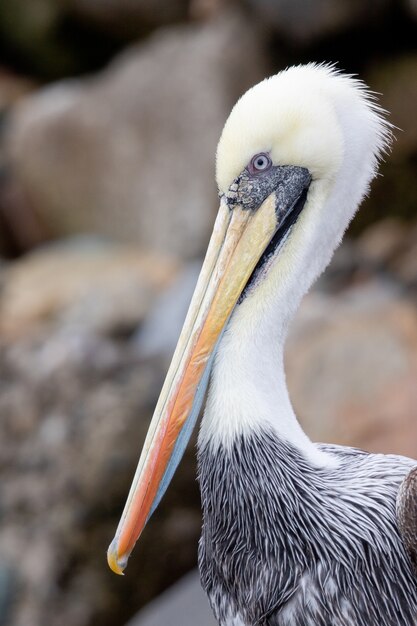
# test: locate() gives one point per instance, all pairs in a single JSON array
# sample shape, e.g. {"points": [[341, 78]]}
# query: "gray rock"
{"points": [[7, 591], [303, 21], [130, 153], [184, 604], [158, 334], [74, 410]]}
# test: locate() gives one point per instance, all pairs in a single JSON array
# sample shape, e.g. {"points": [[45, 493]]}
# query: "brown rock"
{"points": [[13, 88], [92, 284], [18, 227], [381, 241], [391, 245], [352, 367], [396, 81], [405, 264], [130, 153], [406, 267]]}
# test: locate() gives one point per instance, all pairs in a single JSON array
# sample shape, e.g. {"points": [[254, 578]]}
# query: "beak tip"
{"points": [[117, 564]]}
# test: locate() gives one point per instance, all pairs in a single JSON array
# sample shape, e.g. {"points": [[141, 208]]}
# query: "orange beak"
{"points": [[238, 241]]}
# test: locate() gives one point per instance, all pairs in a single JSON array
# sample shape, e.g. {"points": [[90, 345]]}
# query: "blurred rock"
{"points": [[13, 87], [20, 228], [205, 9], [390, 246], [411, 5], [49, 39], [130, 18], [352, 367], [346, 268], [30, 31], [396, 82], [130, 153], [303, 22], [75, 403], [159, 332], [84, 282], [178, 606], [18, 224], [394, 193], [379, 243], [405, 264], [29, 27], [7, 592], [71, 435]]}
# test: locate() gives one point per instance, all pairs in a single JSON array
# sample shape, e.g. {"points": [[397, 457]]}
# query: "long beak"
{"points": [[238, 241]]}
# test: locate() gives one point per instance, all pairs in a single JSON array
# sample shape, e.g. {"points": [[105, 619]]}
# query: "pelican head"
{"points": [[294, 160]]}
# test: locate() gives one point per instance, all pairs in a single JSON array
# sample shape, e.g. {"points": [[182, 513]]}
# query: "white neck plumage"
{"points": [[248, 388]]}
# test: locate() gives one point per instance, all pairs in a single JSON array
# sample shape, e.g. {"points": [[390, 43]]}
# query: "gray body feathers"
{"points": [[287, 543]]}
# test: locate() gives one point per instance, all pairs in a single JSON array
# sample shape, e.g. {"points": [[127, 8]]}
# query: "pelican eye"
{"points": [[260, 163]]}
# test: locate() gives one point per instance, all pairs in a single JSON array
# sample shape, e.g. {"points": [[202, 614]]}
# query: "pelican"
{"points": [[294, 533]]}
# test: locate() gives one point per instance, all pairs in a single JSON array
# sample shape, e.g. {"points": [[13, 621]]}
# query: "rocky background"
{"points": [[109, 116]]}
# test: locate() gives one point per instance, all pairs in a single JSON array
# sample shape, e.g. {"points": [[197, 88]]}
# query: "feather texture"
{"points": [[287, 543]]}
